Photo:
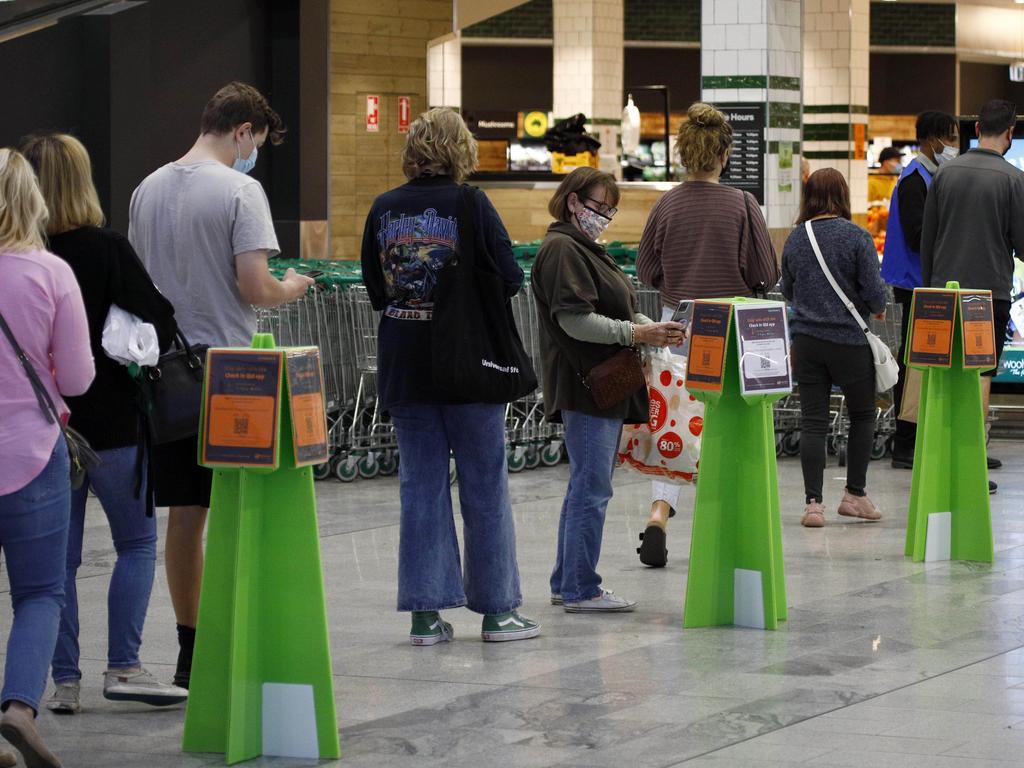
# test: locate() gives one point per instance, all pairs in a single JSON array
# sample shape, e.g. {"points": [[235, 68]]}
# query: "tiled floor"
{"points": [[883, 662]]}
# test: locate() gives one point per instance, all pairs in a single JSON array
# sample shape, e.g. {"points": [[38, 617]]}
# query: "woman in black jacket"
{"points": [[109, 415]]}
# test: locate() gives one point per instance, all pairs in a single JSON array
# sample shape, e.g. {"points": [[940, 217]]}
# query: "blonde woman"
{"points": [[43, 315], [411, 234], [110, 416], [703, 240]]}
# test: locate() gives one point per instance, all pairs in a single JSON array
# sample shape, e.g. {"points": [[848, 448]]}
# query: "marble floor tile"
{"points": [[881, 661]]}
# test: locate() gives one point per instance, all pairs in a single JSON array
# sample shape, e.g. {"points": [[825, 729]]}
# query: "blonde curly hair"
{"points": [[704, 138], [439, 143], [23, 211]]}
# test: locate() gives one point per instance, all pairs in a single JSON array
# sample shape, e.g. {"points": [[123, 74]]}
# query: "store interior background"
{"points": [[130, 78]]}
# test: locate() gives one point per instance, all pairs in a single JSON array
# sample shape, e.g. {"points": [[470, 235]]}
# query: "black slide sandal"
{"points": [[652, 549]]}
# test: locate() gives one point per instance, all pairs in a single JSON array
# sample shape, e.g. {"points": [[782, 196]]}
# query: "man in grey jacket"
{"points": [[974, 223]]}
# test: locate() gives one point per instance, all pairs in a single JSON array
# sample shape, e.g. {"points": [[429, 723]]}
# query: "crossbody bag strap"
{"points": [[42, 396], [831, 280]]}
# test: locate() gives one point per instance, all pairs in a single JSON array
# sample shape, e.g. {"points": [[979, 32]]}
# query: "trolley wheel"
{"points": [[551, 454], [880, 447], [841, 447], [831, 445], [322, 471], [532, 457], [388, 463], [345, 470], [516, 460], [791, 443], [368, 467]]}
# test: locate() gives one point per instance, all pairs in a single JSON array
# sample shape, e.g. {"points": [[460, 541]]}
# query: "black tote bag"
{"points": [[477, 353], [173, 391]]}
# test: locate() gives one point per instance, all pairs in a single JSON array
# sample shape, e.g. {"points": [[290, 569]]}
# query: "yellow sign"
{"points": [[535, 124]]}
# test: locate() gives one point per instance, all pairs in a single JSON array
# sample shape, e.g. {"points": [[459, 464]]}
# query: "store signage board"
{"points": [[746, 162], [1011, 366], [533, 125], [931, 332], [242, 408], [705, 366], [306, 401], [977, 324], [404, 113], [373, 114], [763, 336], [492, 123]]}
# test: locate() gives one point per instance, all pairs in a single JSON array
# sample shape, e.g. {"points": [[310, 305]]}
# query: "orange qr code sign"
{"points": [[310, 423], [978, 338], [706, 355], [242, 421], [932, 336]]}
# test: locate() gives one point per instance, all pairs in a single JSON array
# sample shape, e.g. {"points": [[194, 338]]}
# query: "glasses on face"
{"points": [[603, 209]]}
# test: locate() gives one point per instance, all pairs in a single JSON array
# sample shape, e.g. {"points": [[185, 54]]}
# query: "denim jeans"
{"points": [[34, 537], [592, 442], [134, 534], [430, 575]]}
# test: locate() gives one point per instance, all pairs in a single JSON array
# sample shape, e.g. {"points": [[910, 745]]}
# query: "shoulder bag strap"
{"points": [[832, 281], [42, 396]]}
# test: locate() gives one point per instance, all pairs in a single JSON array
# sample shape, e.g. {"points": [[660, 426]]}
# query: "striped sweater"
{"points": [[701, 243]]}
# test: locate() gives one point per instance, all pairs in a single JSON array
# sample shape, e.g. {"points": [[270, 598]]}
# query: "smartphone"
{"points": [[315, 273], [683, 315]]}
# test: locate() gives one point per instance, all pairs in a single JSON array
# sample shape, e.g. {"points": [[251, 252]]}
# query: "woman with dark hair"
{"points": [[588, 313], [829, 348]]}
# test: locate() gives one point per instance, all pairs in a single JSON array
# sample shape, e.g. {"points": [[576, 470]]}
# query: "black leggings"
{"points": [[818, 365]]}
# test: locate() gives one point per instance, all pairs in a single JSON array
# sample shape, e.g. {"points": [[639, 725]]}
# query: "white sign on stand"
{"points": [[763, 335]]}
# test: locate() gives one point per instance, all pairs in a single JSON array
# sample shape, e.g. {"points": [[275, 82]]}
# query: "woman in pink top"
{"points": [[703, 240], [42, 305]]}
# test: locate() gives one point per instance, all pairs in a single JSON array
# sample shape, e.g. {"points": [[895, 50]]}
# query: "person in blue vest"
{"points": [[938, 139]]}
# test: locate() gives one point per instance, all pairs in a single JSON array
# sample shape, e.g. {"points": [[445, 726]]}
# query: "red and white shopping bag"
{"points": [[668, 445]]}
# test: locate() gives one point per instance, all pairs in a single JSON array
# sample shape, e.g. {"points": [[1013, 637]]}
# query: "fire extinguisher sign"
{"points": [[404, 114], [373, 113]]}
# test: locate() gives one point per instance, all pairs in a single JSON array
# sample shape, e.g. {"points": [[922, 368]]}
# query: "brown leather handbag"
{"points": [[613, 380]]}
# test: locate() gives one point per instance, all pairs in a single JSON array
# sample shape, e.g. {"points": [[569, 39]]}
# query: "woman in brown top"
{"points": [[587, 309], [703, 240]]}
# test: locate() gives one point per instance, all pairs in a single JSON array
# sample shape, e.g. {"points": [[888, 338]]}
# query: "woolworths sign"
{"points": [[1011, 366]]}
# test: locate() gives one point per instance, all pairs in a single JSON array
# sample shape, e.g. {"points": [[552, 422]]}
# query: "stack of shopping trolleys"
{"points": [[336, 316]]}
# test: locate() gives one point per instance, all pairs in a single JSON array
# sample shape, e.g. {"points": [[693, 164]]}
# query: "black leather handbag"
{"points": [[173, 390], [80, 453], [477, 353]]}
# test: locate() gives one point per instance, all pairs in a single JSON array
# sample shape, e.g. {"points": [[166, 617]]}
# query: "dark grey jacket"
{"points": [[973, 223]]}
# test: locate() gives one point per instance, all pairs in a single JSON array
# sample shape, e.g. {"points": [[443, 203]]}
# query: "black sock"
{"points": [[187, 645]]}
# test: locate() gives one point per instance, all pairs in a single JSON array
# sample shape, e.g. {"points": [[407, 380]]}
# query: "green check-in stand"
{"points": [[736, 568], [261, 675], [949, 516]]}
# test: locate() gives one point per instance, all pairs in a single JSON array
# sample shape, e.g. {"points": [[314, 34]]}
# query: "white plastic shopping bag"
{"points": [[668, 445], [127, 339]]}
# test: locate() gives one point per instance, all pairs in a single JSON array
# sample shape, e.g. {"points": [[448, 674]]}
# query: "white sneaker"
{"points": [[140, 685], [65, 699], [605, 602]]}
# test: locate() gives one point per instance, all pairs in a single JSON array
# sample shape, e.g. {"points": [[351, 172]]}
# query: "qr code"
{"points": [[241, 425], [310, 429], [705, 358], [765, 363], [932, 339]]}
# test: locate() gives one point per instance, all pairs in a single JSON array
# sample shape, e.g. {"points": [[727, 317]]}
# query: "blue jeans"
{"points": [[134, 534], [592, 442], [34, 537], [430, 576]]}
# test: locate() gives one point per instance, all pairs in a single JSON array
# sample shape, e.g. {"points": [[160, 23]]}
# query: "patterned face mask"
{"points": [[592, 223]]}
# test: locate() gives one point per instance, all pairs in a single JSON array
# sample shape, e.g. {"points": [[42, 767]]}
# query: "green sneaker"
{"points": [[499, 627], [429, 629]]}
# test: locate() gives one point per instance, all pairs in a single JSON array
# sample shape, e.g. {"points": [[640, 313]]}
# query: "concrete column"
{"points": [[836, 80], [751, 54], [444, 71], [588, 69]]}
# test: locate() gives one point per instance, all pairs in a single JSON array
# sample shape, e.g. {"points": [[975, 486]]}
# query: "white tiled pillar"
{"points": [[588, 69], [751, 54], [444, 71], [836, 80]]}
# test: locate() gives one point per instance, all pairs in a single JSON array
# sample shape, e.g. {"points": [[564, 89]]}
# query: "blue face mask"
{"points": [[245, 164]]}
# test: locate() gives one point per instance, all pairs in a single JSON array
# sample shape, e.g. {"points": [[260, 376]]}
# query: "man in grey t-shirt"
{"points": [[203, 229]]}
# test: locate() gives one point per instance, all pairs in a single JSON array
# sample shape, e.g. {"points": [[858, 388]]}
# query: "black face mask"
{"points": [[725, 167]]}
